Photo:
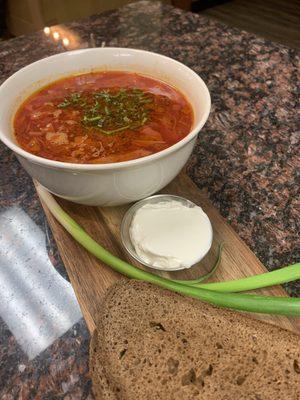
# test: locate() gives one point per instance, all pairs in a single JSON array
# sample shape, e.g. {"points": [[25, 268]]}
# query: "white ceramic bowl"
{"points": [[104, 184]]}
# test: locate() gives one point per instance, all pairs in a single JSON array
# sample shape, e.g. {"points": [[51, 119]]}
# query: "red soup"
{"points": [[102, 117]]}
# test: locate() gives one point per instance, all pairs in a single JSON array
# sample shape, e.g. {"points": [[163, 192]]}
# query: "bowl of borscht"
{"points": [[103, 126]]}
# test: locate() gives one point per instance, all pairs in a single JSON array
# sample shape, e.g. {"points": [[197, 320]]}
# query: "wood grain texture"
{"points": [[276, 20], [91, 278]]}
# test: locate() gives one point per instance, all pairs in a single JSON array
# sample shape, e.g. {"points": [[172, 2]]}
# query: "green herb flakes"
{"points": [[112, 111]]}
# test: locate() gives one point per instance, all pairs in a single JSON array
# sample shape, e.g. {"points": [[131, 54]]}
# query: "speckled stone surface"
{"points": [[247, 158]]}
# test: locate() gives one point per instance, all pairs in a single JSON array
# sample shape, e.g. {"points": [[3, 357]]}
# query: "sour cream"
{"points": [[170, 235]]}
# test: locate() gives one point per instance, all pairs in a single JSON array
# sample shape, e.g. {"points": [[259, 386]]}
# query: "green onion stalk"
{"points": [[237, 301], [282, 275]]}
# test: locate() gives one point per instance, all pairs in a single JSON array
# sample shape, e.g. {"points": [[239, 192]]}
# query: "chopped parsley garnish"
{"points": [[112, 111], [75, 99]]}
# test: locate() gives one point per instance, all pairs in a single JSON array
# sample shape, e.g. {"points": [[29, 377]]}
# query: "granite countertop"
{"points": [[246, 159]]}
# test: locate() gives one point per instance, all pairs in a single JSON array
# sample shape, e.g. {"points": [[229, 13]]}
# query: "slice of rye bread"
{"points": [[154, 344]]}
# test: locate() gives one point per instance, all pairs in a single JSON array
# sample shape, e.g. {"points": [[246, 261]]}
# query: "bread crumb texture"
{"points": [[154, 344]]}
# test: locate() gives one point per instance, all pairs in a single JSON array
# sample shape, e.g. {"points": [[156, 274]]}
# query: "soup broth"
{"points": [[102, 117]]}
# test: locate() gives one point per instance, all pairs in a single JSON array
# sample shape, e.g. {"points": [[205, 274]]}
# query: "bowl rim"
{"points": [[108, 166]]}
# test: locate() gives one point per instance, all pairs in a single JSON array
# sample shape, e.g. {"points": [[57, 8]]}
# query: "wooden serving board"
{"points": [[91, 278]]}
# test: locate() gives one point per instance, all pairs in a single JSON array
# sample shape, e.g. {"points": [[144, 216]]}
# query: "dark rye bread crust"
{"points": [[154, 344]]}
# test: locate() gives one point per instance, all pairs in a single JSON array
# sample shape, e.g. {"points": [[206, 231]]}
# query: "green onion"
{"points": [[282, 275], [114, 130], [241, 302], [91, 119], [194, 282]]}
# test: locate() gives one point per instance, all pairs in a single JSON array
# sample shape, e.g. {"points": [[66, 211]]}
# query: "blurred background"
{"points": [[278, 20]]}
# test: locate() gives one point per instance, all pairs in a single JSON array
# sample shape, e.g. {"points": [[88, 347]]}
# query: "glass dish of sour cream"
{"points": [[166, 232]]}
